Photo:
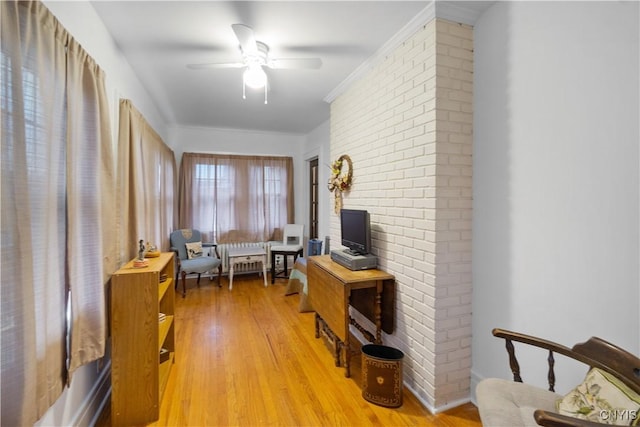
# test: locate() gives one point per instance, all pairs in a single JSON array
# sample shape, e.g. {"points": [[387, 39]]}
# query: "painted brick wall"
{"points": [[407, 126]]}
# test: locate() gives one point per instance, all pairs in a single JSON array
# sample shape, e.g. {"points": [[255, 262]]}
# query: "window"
{"points": [[235, 198]]}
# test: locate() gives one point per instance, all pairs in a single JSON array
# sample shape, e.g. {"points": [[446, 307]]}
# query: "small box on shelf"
{"points": [[164, 355]]}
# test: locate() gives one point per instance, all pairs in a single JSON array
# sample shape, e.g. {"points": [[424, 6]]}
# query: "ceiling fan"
{"points": [[255, 56]]}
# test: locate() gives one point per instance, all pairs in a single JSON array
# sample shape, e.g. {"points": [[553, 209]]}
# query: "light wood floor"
{"points": [[247, 357]]}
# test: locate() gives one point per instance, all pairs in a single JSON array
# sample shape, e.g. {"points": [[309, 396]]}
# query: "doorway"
{"points": [[313, 198]]}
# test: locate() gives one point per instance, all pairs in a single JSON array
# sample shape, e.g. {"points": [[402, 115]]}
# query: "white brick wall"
{"points": [[407, 127]]}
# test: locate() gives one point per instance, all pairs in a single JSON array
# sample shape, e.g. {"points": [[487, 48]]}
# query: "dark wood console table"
{"points": [[333, 288]]}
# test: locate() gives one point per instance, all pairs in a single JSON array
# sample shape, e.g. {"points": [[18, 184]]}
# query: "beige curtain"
{"points": [[90, 205], [56, 179], [147, 183], [236, 198]]}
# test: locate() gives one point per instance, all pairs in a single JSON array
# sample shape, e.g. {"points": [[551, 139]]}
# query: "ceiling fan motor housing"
{"points": [[259, 56]]}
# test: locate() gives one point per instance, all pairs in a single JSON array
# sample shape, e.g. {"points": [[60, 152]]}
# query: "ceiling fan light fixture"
{"points": [[254, 76]]}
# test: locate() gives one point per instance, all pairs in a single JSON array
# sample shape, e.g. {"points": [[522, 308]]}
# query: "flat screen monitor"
{"points": [[356, 231]]}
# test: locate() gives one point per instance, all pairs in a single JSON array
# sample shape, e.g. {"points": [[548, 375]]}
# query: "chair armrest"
{"points": [[534, 341], [595, 353], [552, 419], [177, 257], [212, 245], [550, 346]]}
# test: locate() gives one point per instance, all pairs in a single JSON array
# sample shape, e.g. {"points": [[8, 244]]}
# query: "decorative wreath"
{"points": [[340, 181]]}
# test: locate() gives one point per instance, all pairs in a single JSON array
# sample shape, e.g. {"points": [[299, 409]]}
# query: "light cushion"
{"points": [[504, 403], [602, 398], [298, 284], [194, 250], [286, 248]]}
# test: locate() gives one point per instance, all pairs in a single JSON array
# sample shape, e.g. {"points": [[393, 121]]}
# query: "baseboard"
{"points": [[96, 399], [437, 409], [475, 379]]}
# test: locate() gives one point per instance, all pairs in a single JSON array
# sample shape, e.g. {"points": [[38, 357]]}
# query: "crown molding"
{"points": [[450, 10], [460, 11], [425, 15]]}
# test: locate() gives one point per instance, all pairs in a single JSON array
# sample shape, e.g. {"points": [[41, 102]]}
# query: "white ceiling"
{"points": [[159, 39]]}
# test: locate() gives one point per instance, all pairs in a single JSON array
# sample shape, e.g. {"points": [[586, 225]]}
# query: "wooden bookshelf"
{"points": [[138, 376]]}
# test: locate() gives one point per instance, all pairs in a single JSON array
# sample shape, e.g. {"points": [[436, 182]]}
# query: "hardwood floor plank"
{"points": [[247, 357]]}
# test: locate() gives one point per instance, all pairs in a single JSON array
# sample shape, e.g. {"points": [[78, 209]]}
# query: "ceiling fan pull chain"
{"points": [[265, 94], [244, 90]]}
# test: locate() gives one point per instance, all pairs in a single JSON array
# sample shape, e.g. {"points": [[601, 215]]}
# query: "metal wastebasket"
{"points": [[382, 375]]}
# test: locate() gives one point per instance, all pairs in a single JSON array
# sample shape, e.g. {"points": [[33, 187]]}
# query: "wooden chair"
{"points": [[200, 264], [594, 353]]}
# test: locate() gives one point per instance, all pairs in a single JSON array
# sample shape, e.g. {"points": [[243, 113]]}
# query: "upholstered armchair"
{"points": [[189, 249]]}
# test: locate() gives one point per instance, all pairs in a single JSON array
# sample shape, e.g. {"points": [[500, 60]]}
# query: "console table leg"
{"points": [[347, 359], [378, 312]]}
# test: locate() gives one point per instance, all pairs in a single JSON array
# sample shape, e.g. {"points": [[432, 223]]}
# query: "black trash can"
{"points": [[382, 375]]}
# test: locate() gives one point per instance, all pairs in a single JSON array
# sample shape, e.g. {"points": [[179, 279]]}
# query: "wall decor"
{"points": [[340, 180]]}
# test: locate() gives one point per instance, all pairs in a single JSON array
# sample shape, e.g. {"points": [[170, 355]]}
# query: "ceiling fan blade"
{"points": [[295, 63], [246, 38], [216, 65]]}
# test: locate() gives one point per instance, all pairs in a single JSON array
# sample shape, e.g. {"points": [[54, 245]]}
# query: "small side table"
{"points": [[247, 255]]}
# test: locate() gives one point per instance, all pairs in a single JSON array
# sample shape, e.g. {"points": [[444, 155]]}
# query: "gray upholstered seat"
{"points": [[200, 264]]}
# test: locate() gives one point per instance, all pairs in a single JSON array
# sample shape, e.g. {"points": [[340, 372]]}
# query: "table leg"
{"points": [[378, 312], [273, 268], [264, 270], [285, 257], [231, 274], [347, 358]]}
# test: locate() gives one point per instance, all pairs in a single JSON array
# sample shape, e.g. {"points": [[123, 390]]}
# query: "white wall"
{"points": [[556, 192], [81, 401]]}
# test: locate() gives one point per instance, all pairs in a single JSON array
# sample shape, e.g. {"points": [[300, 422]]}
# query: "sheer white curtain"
{"points": [[56, 177], [233, 198], [147, 183]]}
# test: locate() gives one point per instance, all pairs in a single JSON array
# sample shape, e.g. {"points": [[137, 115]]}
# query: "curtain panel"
{"points": [[91, 185], [147, 183], [57, 176], [232, 198]]}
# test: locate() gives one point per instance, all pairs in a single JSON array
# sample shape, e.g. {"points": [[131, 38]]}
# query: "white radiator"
{"points": [[249, 267]]}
